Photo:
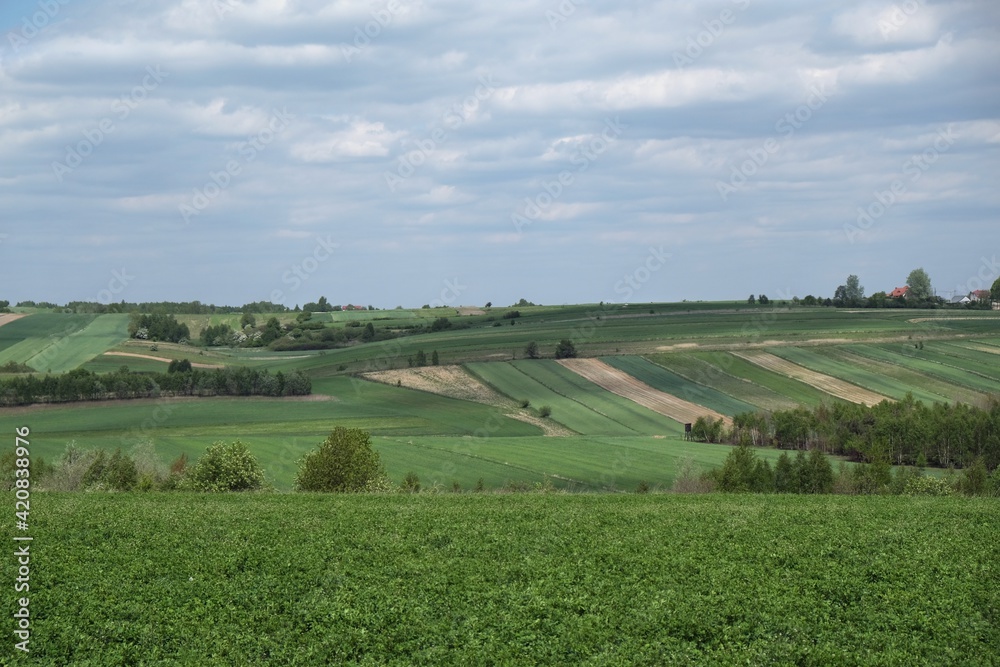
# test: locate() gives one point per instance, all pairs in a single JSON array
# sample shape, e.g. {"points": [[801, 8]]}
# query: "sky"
{"points": [[410, 152]]}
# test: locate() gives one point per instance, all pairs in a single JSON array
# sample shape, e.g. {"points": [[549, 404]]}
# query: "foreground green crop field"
{"points": [[511, 580]]}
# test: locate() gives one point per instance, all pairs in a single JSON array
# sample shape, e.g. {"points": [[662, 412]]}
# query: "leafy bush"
{"points": [[544, 411], [565, 349], [411, 483], [924, 485], [344, 462], [225, 467]]}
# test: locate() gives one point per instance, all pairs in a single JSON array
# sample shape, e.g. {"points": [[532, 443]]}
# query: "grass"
{"points": [[591, 463], [544, 579], [800, 392], [571, 385], [815, 360], [39, 335], [665, 380], [574, 415], [280, 431], [711, 374]]}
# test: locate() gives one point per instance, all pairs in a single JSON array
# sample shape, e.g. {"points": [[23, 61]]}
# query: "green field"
{"points": [[684, 349], [546, 579], [659, 377], [513, 382]]}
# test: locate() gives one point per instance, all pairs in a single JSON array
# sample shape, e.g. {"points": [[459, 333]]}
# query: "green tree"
{"points": [[440, 324], [820, 477], [752, 300], [995, 290], [975, 479], [854, 293], [784, 475], [121, 473], [421, 359], [225, 467], [737, 472], [531, 349], [368, 334], [565, 349], [920, 285], [344, 462], [435, 359], [248, 320]]}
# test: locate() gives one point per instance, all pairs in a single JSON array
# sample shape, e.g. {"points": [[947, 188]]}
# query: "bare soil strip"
{"points": [[831, 385], [7, 318], [451, 381], [456, 382], [626, 386], [152, 358]]}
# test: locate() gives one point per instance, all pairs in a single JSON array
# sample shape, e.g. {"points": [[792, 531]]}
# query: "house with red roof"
{"points": [[899, 292]]}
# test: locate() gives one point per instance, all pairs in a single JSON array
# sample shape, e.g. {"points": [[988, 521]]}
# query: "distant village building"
{"points": [[899, 292]]}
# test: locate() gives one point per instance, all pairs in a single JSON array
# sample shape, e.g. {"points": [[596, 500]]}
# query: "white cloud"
{"points": [[361, 138]]}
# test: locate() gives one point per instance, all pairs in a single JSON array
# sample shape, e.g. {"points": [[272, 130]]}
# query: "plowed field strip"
{"points": [[831, 385], [610, 378]]}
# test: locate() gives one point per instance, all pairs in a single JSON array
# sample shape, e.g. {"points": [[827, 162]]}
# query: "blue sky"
{"points": [[403, 152]]}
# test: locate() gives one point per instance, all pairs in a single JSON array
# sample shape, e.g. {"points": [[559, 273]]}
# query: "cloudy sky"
{"points": [[402, 152]]}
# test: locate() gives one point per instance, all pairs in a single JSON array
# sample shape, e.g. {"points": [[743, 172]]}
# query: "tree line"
{"points": [[906, 432], [182, 380], [161, 307], [745, 472]]}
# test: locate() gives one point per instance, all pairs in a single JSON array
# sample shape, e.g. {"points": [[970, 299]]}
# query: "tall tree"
{"points": [[854, 292], [995, 290], [920, 285]]}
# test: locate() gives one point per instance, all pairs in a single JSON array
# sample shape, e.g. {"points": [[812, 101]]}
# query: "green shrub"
{"points": [[225, 467], [924, 485], [344, 462], [565, 349], [411, 483], [544, 411]]}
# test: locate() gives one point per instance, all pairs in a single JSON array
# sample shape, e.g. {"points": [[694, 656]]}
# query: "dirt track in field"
{"points": [[831, 385], [152, 358], [456, 382], [626, 386], [7, 318]]}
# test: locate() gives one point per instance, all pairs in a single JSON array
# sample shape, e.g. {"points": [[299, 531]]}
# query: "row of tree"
{"points": [[83, 385], [919, 294], [906, 432], [745, 472], [164, 307], [157, 327], [565, 349]]}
